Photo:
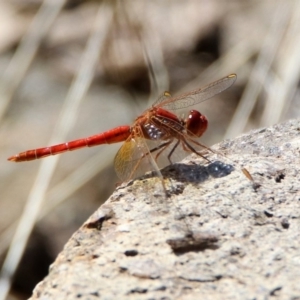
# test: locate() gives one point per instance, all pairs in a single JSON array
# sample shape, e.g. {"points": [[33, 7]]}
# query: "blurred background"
{"points": [[71, 69]]}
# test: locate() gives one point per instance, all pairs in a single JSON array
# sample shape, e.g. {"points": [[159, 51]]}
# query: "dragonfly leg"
{"points": [[188, 147], [172, 151], [202, 146], [161, 147]]}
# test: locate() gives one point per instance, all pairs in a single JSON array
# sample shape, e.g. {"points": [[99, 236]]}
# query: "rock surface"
{"points": [[211, 238]]}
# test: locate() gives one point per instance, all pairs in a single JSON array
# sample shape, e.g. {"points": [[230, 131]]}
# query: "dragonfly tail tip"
{"points": [[13, 158]]}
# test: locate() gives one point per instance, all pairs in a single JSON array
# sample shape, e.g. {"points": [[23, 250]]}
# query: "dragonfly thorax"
{"points": [[153, 132]]}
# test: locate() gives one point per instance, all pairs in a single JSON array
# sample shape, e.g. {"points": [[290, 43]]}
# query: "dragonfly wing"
{"points": [[134, 159], [126, 159], [198, 95], [162, 98]]}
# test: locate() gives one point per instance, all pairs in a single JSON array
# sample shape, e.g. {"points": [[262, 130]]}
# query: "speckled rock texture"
{"points": [[214, 236]]}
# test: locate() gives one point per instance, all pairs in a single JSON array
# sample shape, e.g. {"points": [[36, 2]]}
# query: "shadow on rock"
{"points": [[197, 173]]}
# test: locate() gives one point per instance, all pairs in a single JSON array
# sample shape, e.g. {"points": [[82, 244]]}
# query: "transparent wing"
{"points": [[196, 96], [162, 98], [134, 158]]}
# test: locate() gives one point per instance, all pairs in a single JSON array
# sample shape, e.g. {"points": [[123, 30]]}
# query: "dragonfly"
{"points": [[156, 131]]}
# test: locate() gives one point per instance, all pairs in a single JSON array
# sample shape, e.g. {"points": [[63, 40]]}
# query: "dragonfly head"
{"points": [[196, 123]]}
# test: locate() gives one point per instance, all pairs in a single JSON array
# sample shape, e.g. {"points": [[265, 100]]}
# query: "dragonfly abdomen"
{"points": [[118, 134]]}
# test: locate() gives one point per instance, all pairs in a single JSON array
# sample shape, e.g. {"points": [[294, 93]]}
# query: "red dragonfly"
{"points": [[157, 127]]}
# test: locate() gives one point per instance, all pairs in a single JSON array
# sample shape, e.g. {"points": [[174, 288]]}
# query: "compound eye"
{"points": [[196, 123]]}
